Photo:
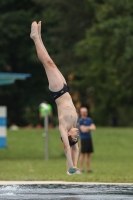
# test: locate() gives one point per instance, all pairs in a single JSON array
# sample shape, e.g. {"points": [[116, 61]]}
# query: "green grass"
{"points": [[24, 159]]}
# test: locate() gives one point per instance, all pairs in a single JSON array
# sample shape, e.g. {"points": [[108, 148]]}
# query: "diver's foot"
{"points": [[34, 31], [39, 28]]}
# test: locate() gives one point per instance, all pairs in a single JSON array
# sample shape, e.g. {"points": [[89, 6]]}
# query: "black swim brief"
{"points": [[56, 95]]}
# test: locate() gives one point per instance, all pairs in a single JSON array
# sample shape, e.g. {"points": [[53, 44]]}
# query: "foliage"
{"points": [[61, 25], [90, 41], [107, 58]]}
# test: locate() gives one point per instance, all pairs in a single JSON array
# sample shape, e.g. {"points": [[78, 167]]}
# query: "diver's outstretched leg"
{"points": [[55, 80], [39, 32]]}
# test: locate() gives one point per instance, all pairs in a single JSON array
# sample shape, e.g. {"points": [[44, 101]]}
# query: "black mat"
{"points": [[66, 192]]}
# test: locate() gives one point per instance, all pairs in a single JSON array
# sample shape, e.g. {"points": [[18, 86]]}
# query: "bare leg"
{"points": [[88, 157], [54, 77], [39, 32], [81, 160]]}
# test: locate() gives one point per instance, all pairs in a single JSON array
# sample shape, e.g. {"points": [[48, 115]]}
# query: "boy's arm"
{"points": [[85, 129]]}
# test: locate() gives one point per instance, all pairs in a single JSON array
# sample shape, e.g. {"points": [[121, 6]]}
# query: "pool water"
{"points": [[67, 192]]}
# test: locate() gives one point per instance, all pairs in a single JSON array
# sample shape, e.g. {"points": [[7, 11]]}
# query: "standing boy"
{"points": [[86, 125]]}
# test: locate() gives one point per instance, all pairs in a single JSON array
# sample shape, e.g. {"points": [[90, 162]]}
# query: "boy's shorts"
{"points": [[86, 145]]}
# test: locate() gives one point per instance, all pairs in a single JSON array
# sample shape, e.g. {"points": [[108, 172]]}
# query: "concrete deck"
{"points": [[57, 182]]}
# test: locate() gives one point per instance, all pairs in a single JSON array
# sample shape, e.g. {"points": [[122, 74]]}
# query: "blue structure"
{"points": [[5, 79], [3, 125], [9, 78]]}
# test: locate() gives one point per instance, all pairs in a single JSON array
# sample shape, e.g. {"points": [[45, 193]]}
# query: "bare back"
{"points": [[66, 111]]}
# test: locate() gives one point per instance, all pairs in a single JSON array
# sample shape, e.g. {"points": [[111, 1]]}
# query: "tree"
{"points": [[63, 24], [107, 57]]}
